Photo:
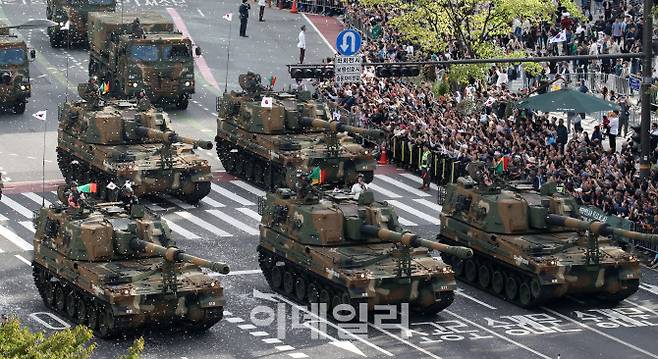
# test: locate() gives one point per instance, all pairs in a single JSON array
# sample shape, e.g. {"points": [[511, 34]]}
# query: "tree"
{"points": [[17, 341]]}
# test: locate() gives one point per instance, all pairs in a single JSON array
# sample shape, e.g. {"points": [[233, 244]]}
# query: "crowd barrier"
{"points": [[442, 169]]}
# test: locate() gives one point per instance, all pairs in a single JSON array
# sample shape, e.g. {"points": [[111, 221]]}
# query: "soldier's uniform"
{"points": [[136, 29]]}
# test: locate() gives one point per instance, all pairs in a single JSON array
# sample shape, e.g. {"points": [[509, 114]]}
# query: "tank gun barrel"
{"points": [[174, 254], [412, 240], [599, 228], [336, 126], [169, 137]]}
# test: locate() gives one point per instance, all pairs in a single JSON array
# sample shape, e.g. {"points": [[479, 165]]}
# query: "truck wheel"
{"points": [[183, 102], [19, 107]]}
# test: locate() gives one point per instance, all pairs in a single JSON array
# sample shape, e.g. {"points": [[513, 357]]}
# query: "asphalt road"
{"points": [[259, 324], [270, 46]]}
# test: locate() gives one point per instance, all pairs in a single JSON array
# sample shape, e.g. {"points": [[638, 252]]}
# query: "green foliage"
{"points": [[440, 88], [18, 342]]}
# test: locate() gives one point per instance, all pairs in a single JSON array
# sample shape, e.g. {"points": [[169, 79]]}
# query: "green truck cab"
{"points": [[71, 18]]}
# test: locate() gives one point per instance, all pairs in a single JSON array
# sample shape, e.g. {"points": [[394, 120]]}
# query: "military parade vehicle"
{"points": [[113, 268], [532, 246], [142, 51], [328, 247], [267, 144], [70, 17], [123, 141], [15, 86]]}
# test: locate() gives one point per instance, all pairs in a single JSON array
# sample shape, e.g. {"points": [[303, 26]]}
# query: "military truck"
{"points": [[267, 144], [70, 17], [113, 269], [123, 141], [149, 55], [329, 248], [532, 246], [15, 86]]}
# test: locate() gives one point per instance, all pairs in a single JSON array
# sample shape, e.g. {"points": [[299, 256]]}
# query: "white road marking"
{"points": [[415, 212], [642, 307], [230, 195], [180, 203], [244, 272], [247, 326], [259, 334], [403, 186], [250, 213], [498, 335], [272, 340], [418, 180], [15, 239], [200, 13], [17, 207], [22, 259], [283, 348], [234, 320], [429, 204], [297, 355], [649, 288], [3, 218], [36, 198], [324, 39], [343, 344], [180, 230], [203, 224], [404, 341], [211, 202], [233, 222], [406, 222], [154, 207], [606, 335], [460, 292], [28, 225], [227, 313], [248, 187], [384, 191]]}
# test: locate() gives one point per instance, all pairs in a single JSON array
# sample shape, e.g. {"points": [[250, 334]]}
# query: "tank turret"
{"points": [[531, 246], [328, 247], [119, 141], [264, 137], [114, 269]]}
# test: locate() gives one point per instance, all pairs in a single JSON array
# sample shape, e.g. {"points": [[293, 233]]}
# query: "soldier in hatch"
{"points": [[92, 91], [143, 103], [136, 29]]}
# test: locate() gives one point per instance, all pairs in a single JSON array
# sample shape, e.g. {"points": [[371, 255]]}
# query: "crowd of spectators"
{"points": [[479, 122]]}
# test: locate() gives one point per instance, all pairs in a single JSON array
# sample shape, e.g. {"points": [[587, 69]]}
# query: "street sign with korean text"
{"points": [[348, 42], [348, 69]]}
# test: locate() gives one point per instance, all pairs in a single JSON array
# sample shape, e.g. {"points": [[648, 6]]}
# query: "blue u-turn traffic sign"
{"points": [[348, 42]]}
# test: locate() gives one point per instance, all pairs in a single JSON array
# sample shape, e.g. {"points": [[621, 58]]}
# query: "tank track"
{"points": [[252, 168], [83, 173], [299, 284], [80, 307]]}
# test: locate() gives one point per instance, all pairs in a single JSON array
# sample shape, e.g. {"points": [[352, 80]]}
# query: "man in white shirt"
{"points": [[613, 131], [358, 187], [261, 10], [302, 44]]}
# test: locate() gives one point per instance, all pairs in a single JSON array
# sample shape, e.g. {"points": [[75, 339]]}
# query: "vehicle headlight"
{"points": [[125, 291], [23, 88], [213, 284], [187, 83], [132, 76], [61, 23], [135, 84]]}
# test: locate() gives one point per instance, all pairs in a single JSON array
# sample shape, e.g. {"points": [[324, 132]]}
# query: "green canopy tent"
{"points": [[567, 100]]}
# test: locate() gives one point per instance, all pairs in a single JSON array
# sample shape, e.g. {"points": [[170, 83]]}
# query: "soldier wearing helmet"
{"points": [[136, 28]]}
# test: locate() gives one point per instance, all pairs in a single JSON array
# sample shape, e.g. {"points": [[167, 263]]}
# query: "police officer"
{"points": [[244, 17], [424, 169]]}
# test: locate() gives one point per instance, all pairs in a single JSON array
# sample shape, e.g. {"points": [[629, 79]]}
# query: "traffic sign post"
{"points": [[348, 69], [348, 42]]}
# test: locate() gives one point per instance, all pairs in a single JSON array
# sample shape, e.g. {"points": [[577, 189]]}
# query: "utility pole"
{"points": [[645, 89]]}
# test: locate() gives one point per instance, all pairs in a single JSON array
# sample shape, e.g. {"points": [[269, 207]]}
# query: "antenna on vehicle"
{"points": [[228, 56]]}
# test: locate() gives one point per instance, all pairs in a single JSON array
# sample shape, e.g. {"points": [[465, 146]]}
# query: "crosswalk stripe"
{"points": [[180, 230], [17, 207], [234, 222], [230, 195], [28, 225], [203, 224], [246, 186], [418, 180], [3, 218], [15, 239], [154, 207], [429, 204], [415, 212], [180, 203], [406, 222], [403, 186], [36, 198], [384, 191], [249, 212], [211, 202], [22, 259]]}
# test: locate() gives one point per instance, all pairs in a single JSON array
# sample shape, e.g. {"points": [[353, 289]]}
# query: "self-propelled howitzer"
{"points": [[122, 141], [265, 137], [335, 249], [112, 270], [531, 246]]}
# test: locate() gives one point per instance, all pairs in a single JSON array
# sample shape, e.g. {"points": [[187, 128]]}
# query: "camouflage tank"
{"points": [[148, 55], [532, 246], [267, 145], [121, 141], [15, 86], [113, 269], [328, 247], [70, 17]]}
